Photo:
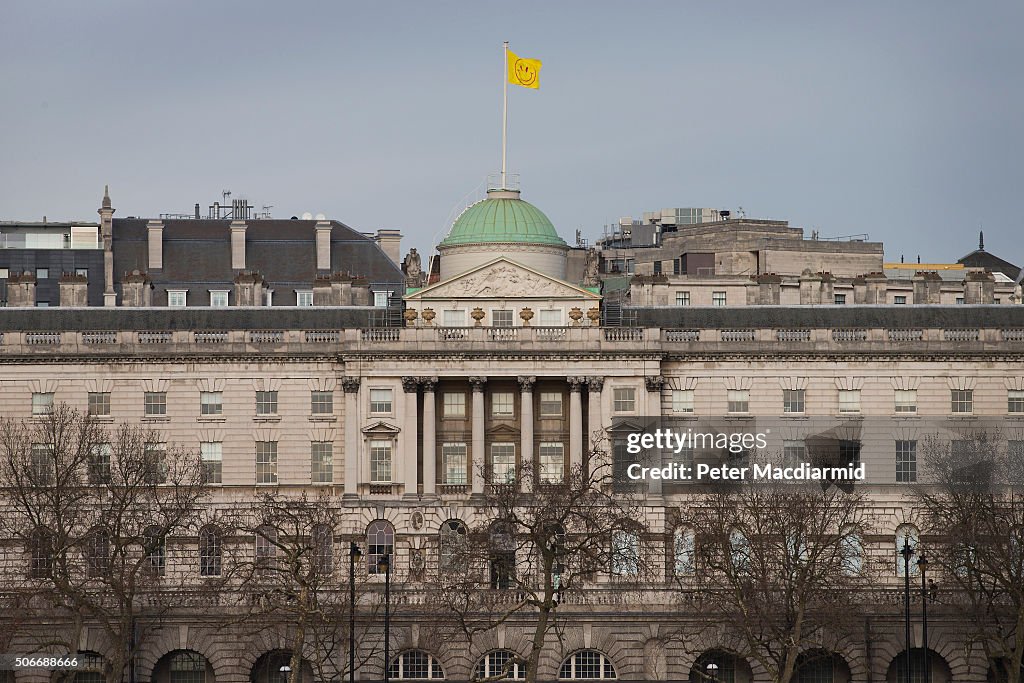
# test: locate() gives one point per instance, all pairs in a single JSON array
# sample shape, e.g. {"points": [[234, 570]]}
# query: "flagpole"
{"points": [[504, 117]]}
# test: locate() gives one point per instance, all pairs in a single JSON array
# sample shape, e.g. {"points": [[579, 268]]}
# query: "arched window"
{"points": [[501, 665], [625, 553], [187, 667], [503, 556], [40, 552], [323, 548], [851, 552], [97, 552], [90, 668], [586, 665], [154, 545], [380, 541], [415, 665], [906, 534], [209, 551], [684, 548], [739, 550], [452, 539]]}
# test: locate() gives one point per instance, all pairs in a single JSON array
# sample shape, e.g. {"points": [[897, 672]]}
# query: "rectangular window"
{"points": [[718, 298], [155, 403], [176, 298], [624, 400], [266, 462], [839, 299], [99, 463], [380, 401], [83, 272], [552, 462], [792, 400], [794, 452], [266, 403], [899, 300], [739, 400], [906, 462], [42, 273], [211, 402], [218, 298], [321, 402], [962, 400], [454, 318], [380, 462], [4, 273], [906, 400], [99, 403], [322, 462], [682, 298], [211, 455], [849, 400], [42, 464], [501, 318], [42, 403], [682, 400], [849, 453], [503, 404], [154, 454], [454, 404], [657, 267], [550, 318], [550, 404], [1015, 401], [959, 300], [503, 463], [303, 297], [453, 463], [380, 299]]}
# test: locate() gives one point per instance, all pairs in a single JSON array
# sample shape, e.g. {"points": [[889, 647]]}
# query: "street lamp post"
{"points": [[922, 564], [384, 564], [906, 551], [712, 671], [354, 553], [285, 670]]}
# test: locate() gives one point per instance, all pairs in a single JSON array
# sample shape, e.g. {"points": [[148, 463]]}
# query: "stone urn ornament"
{"points": [[576, 314], [428, 315], [594, 314], [477, 314], [527, 315], [410, 316]]}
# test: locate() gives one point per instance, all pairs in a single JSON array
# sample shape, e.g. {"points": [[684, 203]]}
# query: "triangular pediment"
{"points": [[502, 430], [503, 279], [381, 429]]}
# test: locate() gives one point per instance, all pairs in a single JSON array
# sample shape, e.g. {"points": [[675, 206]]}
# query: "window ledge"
{"points": [[101, 418], [323, 418], [267, 418], [156, 418], [211, 418]]}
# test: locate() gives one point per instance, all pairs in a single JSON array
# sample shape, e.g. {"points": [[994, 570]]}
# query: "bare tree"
{"points": [[92, 509], [778, 564], [970, 496], [296, 579], [538, 539]]}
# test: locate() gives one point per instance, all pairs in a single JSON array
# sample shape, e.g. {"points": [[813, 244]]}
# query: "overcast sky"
{"points": [[902, 120]]}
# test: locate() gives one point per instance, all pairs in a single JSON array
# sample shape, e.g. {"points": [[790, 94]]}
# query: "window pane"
{"points": [[322, 402], [266, 402], [42, 403], [453, 463], [501, 318], [211, 454], [718, 299], [550, 404], [304, 298], [906, 400], [849, 400], [503, 463], [793, 400], [454, 318], [624, 400], [552, 462], [380, 400], [1015, 402], [322, 465], [962, 400], [550, 318], [266, 462], [211, 402], [99, 403], [906, 461], [380, 462], [155, 402], [682, 401], [739, 400], [682, 298], [503, 404], [454, 404]]}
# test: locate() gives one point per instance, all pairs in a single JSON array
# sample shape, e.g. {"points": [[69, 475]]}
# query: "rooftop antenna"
{"points": [[226, 194], [743, 214]]}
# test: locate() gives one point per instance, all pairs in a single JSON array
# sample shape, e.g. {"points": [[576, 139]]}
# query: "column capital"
{"points": [[428, 384], [576, 383], [410, 384], [526, 383], [654, 382], [478, 383], [350, 385], [595, 383]]}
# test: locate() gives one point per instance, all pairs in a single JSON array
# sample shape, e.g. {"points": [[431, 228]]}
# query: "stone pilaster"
{"points": [[429, 436], [350, 385], [595, 420], [526, 456], [575, 423], [478, 470], [652, 409], [409, 459]]}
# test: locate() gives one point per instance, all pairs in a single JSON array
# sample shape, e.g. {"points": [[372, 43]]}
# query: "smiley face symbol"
{"points": [[525, 73]]}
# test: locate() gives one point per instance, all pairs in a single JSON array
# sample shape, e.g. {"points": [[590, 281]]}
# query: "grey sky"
{"points": [[902, 120]]}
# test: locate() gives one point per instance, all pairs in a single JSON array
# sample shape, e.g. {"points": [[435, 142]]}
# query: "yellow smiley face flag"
{"points": [[524, 72]]}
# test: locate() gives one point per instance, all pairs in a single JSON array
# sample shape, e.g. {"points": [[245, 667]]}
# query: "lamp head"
{"points": [[384, 563], [354, 552], [922, 562]]}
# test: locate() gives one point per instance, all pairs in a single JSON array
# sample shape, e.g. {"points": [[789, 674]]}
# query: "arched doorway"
{"points": [[275, 667], [720, 666], [821, 666], [940, 672], [183, 666]]}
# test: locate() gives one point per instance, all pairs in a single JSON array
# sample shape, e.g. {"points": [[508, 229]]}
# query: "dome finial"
{"points": [[981, 240], [106, 196]]}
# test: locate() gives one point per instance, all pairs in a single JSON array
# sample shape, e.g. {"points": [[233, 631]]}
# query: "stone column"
{"points": [[653, 410], [595, 420], [350, 385], [409, 460], [477, 468], [575, 422], [526, 457], [429, 436]]}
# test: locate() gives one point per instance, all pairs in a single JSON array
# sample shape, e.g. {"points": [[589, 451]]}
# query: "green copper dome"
{"points": [[502, 217]]}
